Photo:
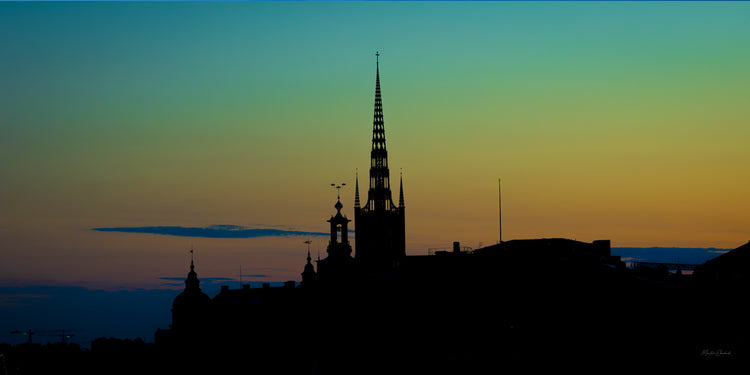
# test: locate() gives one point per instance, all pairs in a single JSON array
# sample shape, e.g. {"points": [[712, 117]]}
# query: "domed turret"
{"points": [[338, 206], [308, 275], [191, 307]]}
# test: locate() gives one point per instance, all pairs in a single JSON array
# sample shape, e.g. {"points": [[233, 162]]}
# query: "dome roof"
{"points": [[190, 299]]}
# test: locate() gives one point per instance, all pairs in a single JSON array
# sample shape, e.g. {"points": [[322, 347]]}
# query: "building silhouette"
{"points": [[532, 302], [339, 266], [529, 304], [190, 309], [380, 236]]}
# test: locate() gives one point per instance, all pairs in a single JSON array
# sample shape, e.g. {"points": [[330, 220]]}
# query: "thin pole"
{"points": [[500, 210]]}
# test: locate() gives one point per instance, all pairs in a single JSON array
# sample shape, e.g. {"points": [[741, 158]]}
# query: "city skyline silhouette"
{"points": [[645, 150], [133, 137]]}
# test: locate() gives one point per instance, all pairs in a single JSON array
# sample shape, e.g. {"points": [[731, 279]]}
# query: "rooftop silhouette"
{"points": [[550, 300], [369, 308]]}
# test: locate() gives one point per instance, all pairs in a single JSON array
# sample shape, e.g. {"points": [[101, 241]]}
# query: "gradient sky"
{"points": [[625, 121]]}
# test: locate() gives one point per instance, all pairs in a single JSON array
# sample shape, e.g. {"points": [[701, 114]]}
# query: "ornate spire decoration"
{"points": [[338, 205], [379, 196], [380, 225], [378, 131]]}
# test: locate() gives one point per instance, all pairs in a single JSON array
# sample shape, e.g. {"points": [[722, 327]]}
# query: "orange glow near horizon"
{"points": [[618, 121]]}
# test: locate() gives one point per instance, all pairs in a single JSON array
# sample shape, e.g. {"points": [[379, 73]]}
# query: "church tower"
{"points": [[379, 235], [339, 264], [191, 309]]}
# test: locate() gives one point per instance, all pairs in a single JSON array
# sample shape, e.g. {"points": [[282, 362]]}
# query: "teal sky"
{"points": [[625, 121]]}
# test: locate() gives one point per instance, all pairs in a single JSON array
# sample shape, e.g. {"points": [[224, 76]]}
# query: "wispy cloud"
{"points": [[213, 231], [204, 279]]}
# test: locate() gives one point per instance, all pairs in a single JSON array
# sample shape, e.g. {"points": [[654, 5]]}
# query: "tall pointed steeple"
{"points": [[356, 189], [401, 192], [379, 224], [378, 130], [379, 196]]}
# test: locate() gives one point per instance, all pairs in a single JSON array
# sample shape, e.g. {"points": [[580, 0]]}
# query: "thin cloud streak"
{"points": [[204, 279], [213, 231]]}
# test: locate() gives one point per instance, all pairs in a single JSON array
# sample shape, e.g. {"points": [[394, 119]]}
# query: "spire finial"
{"points": [[338, 204], [377, 57], [192, 282], [356, 188], [308, 242]]}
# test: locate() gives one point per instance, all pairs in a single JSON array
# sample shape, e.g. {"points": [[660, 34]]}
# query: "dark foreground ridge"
{"points": [[545, 303], [534, 303]]}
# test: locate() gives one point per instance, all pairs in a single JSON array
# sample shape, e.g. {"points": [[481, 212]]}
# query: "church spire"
{"points": [[356, 189], [378, 130], [379, 235], [379, 196]]}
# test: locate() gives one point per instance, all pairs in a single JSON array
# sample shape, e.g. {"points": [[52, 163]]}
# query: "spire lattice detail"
{"points": [[379, 196]]}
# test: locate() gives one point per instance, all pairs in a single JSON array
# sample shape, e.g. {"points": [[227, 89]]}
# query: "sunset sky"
{"points": [[625, 121]]}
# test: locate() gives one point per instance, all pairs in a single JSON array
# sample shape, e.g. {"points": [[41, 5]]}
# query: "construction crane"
{"points": [[63, 334], [28, 332]]}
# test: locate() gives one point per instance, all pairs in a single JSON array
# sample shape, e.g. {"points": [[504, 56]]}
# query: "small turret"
{"points": [[190, 309], [192, 283], [308, 275]]}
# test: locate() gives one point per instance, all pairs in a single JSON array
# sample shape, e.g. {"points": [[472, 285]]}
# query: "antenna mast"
{"points": [[500, 211]]}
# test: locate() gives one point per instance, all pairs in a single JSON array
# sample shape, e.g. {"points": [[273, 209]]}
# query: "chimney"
{"points": [[456, 247]]}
